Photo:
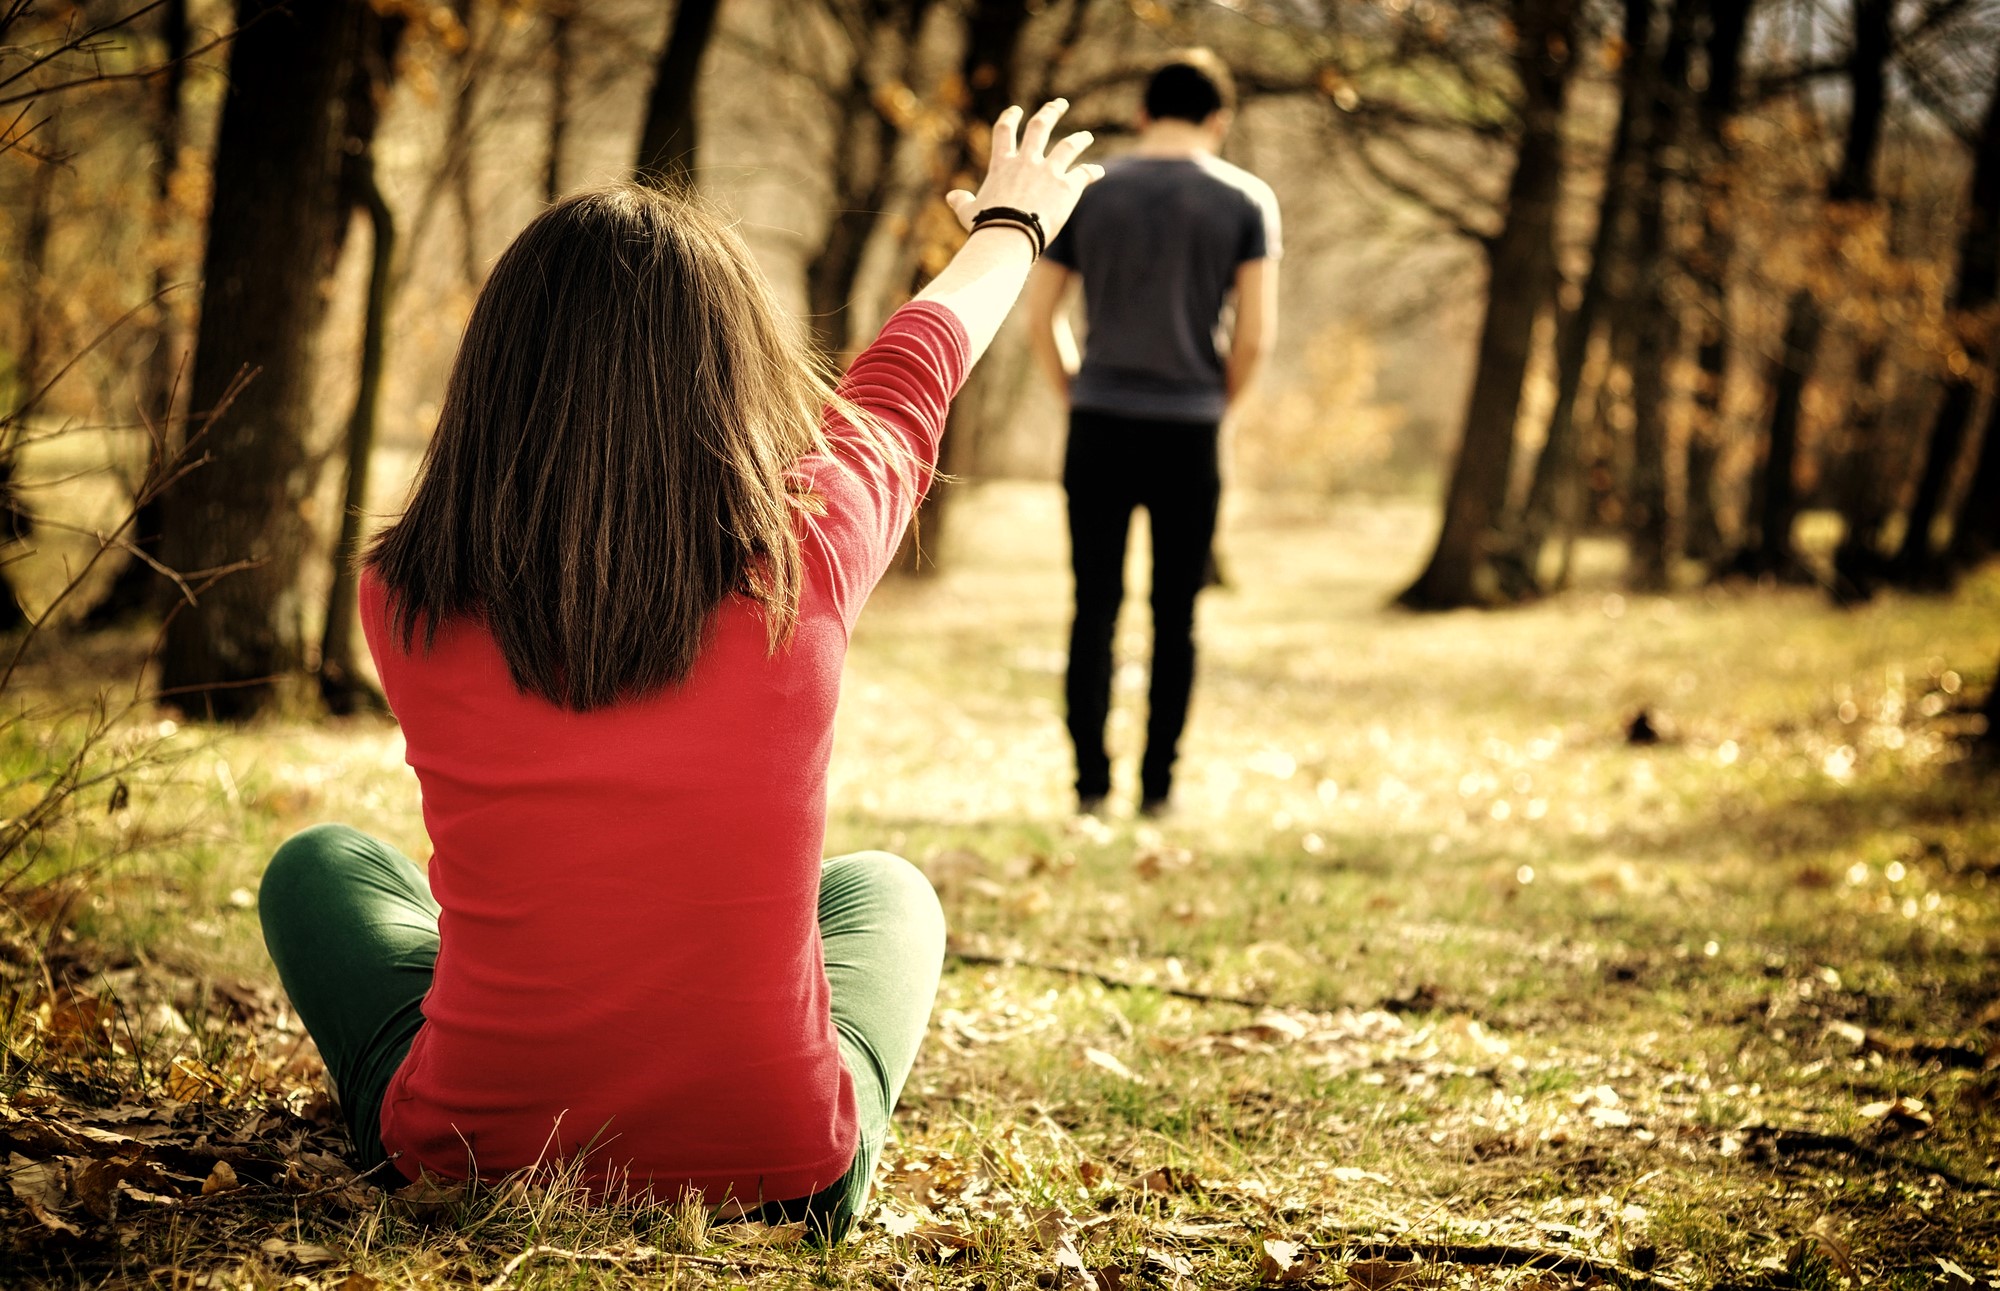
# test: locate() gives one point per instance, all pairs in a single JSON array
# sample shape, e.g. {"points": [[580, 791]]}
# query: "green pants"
{"points": [[352, 927]]}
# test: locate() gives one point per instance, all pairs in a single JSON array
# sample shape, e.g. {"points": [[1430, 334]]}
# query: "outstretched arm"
{"points": [[983, 280]]}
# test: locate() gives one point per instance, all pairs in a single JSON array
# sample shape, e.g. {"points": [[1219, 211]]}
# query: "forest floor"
{"points": [[1435, 978]]}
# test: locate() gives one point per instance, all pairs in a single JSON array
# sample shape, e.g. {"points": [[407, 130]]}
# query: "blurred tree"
{"points": [[341, 684], [1656, 323], [1990, 710], [1975, 536], [1521, 263], [31, 375], [1850, 201], [1970, 357], [562, 69], [669, 137], [275, 221], [1553, 489], [872, 106], [137, 586], [459, 172], [987, 72], [1724, 25]]}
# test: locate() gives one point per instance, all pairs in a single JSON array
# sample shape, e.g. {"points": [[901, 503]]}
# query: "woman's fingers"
{"points": [[1003, 133], [1069, 149], [1036, 136]]}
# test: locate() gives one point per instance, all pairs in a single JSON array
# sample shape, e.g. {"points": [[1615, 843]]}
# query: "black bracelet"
{"points": [[1026, 221]]}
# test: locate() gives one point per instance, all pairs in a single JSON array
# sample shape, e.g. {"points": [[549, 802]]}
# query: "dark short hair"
{"points": [[1191, 85]]}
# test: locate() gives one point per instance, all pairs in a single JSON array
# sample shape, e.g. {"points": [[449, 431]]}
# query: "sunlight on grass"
{"points": [[1717, 1008]]}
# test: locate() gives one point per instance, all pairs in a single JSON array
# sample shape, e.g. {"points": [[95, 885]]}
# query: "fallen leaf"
{"points": [[429, 1196], [305, 1254], [1378, 1275], [1048, 1227], [1152, 862], [39, 1186], [941, 1241], [1900, 1116], [100, 1184], [1167, 1268], [1111, 1063], [189, 1080], [1826, 1246], [221, 1179], [896, 1223], [1071, 1271], [1168, 1179], [1281, 1262], [1353, 1174], [776, 1236], [37, 1181], [80, 1023]]}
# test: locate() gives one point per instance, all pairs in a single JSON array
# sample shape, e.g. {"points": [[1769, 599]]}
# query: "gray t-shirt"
{"points": [[1157, 242]]}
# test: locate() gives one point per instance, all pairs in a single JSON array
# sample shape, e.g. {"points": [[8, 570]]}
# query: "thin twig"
{"points": [[1122, 983], [640, 1255], [1784, 1142], [1513, 1257], [109, 78]]}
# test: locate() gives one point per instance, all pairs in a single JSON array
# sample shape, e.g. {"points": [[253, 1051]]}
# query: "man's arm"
{"points": [[1256, 323], [1048, 329]]}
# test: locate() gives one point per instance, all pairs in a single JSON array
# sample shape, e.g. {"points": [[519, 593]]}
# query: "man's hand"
{"points": [[1049, 338]]}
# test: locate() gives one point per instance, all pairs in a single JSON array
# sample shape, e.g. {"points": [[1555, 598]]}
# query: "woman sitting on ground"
{"points": [[611, 623]]}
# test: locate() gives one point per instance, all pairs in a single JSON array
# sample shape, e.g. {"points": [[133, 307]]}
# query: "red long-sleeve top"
{"points": [[630, 967]]}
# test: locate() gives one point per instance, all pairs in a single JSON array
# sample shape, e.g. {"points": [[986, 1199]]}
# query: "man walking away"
{"points": [[1168, 246]]}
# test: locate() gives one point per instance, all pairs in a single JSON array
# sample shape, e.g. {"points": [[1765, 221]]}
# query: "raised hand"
{"points": [[1029, 175]]}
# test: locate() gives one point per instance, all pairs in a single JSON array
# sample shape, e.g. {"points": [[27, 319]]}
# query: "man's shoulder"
{"points": [[1239, 179]]}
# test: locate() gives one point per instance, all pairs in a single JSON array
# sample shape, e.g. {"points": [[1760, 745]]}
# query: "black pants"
{"points": [[1114, 465]]}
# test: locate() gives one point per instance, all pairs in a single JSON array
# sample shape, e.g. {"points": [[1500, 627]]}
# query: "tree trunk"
{"points": [[1852, 185], [272, 227], [562, 67], [136, 587], [667, 142], [1556, 481], [864, 167], [1727, 23], [16, 523], [1864, 484], [1976, 534], [1521, 258], [460, 172], [1972, 298], [993, 36], [1649, 512], [1990, 710], [340, 682]]}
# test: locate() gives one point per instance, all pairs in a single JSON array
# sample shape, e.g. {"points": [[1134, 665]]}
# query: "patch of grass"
{"points": [[1529, 985]]}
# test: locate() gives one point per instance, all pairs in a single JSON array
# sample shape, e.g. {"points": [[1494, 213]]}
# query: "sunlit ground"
{"points": [[1716, 1010]]}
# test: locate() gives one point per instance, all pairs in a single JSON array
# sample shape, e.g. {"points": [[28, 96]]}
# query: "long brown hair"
{"points": [[612, 459]]}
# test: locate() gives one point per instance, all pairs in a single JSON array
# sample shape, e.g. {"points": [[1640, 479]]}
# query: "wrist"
{"points": [[1027, 221], [1018, 233]]}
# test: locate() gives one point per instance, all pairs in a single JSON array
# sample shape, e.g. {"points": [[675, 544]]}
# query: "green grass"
{"points": [[1529, 984]]}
